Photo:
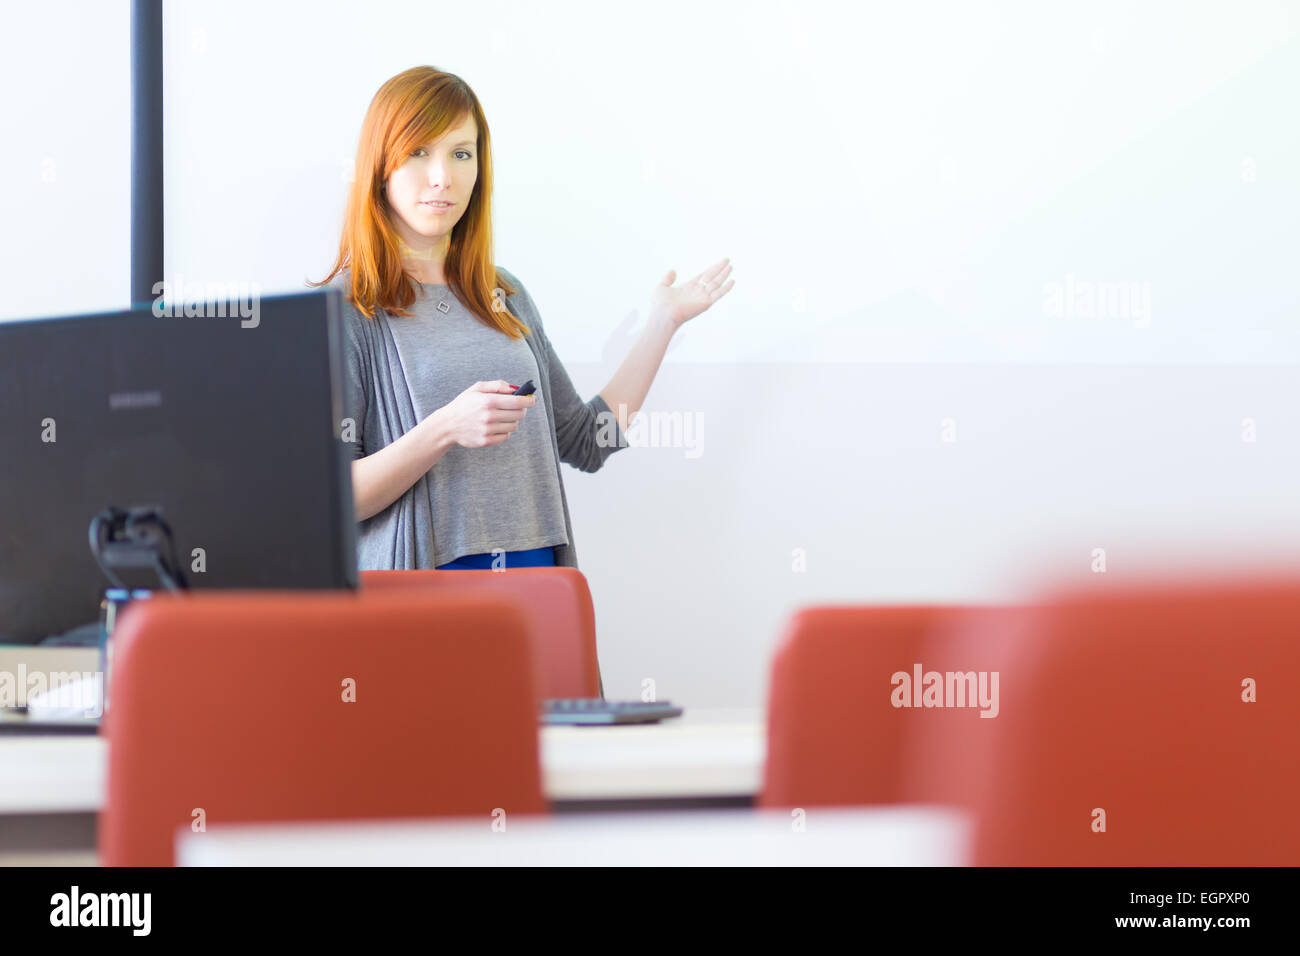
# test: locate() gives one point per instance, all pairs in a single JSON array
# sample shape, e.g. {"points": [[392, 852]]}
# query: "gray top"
{"points": [[398, 370], [506, 496]]}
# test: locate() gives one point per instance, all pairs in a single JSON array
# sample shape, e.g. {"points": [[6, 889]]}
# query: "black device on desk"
{"points": [[233, 429], [597, 710], [14, 722]]}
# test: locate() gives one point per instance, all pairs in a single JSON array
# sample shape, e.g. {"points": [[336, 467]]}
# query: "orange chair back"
{"points": [[844, 729], [1135, 712], [947, 741], [832, 735], [275, 706], [558, 603]]}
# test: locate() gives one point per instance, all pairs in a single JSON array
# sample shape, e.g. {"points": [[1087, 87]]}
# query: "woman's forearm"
{"points": [[380, 479], [627, 390]]}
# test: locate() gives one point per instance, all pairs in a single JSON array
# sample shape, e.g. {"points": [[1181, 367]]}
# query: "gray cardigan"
{"points": [[378, 400]]}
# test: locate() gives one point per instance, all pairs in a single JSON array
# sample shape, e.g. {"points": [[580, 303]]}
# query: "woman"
{"points": [[450, 469]]}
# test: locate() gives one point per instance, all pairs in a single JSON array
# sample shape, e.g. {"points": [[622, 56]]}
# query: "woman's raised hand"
{"points": [[681, 303]]}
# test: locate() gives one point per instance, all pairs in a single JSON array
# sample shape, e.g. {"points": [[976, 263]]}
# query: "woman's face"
{"points": [[443, 171]]}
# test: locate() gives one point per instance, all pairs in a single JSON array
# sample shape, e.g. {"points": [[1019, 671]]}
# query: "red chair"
{"points": [[834, 734], [946, 749], [559, 607], [1133, 705], [230, 707]]}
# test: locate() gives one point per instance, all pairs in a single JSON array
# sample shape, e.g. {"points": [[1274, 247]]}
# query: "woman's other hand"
{"points": [[485, 414]]}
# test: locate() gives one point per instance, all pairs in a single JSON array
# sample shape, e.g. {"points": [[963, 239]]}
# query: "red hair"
{"points": [[410, 110]]}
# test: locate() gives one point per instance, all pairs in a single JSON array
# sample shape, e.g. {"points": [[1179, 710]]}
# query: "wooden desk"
{"points": [[892, 836]]}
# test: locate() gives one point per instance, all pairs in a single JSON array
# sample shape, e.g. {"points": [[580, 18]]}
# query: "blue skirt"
{"points": [[532, 558]]}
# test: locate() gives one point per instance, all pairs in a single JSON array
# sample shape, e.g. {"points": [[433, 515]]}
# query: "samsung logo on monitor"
{"points": [[128, 400]]}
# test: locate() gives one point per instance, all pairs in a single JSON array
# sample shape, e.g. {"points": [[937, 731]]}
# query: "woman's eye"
{"points": [[420, 149]]}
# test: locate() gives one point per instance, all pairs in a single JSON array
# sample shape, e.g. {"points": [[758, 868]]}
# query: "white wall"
{"points": [[945, 167], [691, 561], [941, 163], [65, 142]]}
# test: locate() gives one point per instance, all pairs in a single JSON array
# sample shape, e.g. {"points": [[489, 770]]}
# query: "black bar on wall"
{"points": [[146, 149]]}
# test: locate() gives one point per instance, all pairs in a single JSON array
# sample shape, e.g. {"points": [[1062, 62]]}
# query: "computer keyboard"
{"points": [[594, 710]]}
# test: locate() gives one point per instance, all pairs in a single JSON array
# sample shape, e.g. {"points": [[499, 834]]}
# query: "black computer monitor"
{"points": [[231, 427]]}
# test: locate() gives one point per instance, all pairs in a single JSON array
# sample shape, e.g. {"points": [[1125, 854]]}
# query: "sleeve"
{"points": [[587, 432], [356, 380]]}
